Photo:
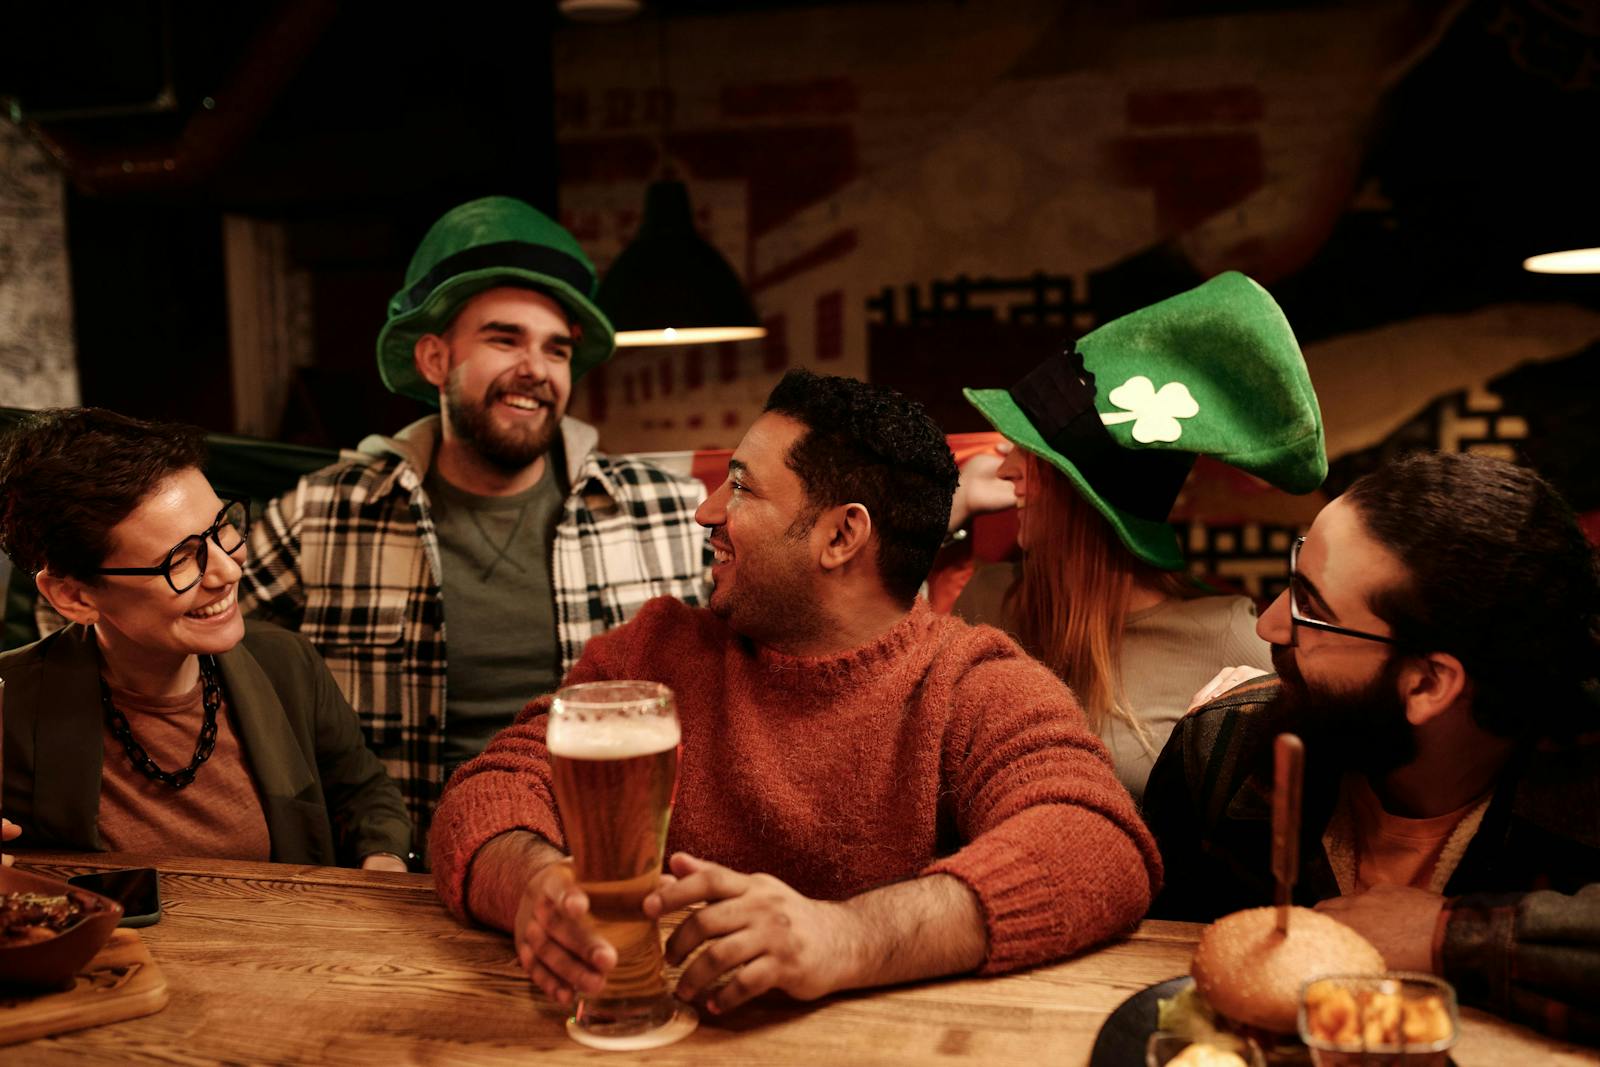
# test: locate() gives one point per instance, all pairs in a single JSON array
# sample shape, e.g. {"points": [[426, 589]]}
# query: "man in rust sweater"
{"points": [[918, 796]]}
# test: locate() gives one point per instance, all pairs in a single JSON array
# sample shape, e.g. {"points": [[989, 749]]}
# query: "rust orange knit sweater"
{"points": [[939, 747]]}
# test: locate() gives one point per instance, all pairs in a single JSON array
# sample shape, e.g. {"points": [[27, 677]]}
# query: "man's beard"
{"points": [[774, 601], [1363, 729], [510, 450]]}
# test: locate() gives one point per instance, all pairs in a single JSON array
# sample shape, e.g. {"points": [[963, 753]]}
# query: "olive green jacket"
{"points": [[326, 797]]}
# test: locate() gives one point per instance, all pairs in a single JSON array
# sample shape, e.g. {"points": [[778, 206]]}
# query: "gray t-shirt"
{"points": [[500, 621], [1168, 652]]}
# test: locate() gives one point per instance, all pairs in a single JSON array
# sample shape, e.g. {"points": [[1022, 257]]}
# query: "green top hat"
{"points": [[477, 246], [1212, 372]]}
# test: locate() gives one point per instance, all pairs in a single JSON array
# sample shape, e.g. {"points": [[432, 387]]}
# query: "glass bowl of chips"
{"points": [[1397, 1019]]}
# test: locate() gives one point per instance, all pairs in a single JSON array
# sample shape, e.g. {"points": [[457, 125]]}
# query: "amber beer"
{"points": [[614, 755]]}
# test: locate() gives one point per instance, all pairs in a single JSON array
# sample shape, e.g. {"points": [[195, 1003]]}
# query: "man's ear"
{"points": [[846, 530], [73, 599], [432, 356], [1431, 685]]}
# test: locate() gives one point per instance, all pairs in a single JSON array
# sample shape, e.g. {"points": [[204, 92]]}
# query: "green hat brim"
{"points": [[1154, 542], [397, 341]]}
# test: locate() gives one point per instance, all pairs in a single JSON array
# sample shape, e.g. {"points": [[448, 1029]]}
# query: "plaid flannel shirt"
{"points": [[1519, 933], [350, 558]]}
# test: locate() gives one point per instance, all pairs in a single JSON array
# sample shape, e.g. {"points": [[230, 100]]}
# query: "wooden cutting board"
{"points": [[121, 982]]}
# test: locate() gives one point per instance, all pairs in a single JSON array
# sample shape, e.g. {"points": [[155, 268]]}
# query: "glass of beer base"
{"points": [[614, 756]]}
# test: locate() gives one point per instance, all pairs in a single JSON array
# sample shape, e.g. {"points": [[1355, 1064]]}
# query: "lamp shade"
{"points": [[670, 286], [1572, 261]]}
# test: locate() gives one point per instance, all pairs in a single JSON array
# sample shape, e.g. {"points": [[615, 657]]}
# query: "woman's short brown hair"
{"points": [[68, 476]]}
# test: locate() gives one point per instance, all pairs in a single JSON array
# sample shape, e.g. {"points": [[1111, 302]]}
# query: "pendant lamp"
{"points": [[1572, 261], [670, 286], [599, 10]]}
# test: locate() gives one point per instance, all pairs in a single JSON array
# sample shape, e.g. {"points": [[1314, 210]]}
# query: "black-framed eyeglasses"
{"points": [[1296, 619], [185, 565]]}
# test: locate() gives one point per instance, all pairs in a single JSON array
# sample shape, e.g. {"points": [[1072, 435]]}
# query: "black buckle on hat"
{"points": [[1057, 396], [509, 255]]}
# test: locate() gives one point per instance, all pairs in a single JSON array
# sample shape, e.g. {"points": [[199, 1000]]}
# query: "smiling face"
{"points": [[766, 568], [508, 357], [139, 616]]}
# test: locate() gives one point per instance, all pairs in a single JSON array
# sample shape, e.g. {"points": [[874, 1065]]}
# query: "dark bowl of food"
{"points": [[49, 929]]}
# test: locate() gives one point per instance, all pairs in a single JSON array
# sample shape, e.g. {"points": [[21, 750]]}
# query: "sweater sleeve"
{"points": [[509, 786], [1055, 852]]}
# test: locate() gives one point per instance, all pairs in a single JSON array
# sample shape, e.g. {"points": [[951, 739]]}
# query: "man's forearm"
{"points": [[912, 930], [499, 872]]}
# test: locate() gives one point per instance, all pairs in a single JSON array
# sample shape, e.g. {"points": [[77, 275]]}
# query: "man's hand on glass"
{"points": [[554, 943], [757, 932]]}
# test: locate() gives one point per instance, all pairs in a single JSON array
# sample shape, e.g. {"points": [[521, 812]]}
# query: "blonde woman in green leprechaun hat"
{"points": [[1105, 435]]}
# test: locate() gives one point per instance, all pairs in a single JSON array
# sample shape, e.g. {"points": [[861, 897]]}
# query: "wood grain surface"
{"points": [[272, 963], [122, 981]]}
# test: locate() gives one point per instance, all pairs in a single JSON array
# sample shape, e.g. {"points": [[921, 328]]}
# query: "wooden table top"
{"points": [[275, 963]]}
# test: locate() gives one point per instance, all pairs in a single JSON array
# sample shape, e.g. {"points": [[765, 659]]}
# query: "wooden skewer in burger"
{"points": [[1250, 966]]}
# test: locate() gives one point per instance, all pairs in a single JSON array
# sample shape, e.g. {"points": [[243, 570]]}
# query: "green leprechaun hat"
{"points": [[477, 246], [1214, 371]]}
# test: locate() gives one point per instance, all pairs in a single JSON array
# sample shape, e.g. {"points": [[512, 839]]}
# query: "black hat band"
{"points": [[1058, 398], [502, 255]]}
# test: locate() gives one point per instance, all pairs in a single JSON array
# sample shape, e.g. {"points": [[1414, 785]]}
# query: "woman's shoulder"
{"points": [[272, 646], [67, 641], [1217, 611]]}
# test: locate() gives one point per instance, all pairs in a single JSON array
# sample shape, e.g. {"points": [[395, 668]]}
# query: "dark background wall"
{"points": [[352, 125]]}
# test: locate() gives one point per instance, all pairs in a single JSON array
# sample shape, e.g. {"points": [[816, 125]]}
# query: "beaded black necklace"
{"points": [[212, 697]]}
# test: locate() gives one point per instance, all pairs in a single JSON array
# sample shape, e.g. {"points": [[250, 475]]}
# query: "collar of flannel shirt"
{"points": [[416, 444]]}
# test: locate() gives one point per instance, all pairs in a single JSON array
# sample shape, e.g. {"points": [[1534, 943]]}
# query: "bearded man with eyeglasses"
{"points": [[1437, 651]]}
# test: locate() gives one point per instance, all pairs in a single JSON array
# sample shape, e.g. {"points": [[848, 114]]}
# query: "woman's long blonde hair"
{"points": [[1070, 601]]}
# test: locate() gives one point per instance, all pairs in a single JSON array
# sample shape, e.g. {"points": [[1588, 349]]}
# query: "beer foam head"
{"points": [[611, 736]]}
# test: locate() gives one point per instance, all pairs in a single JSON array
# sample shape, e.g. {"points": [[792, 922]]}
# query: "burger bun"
{"points": [[1251, 974]]}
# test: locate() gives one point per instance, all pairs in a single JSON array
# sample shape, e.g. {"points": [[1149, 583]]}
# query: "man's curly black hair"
{"points": [[870, 445]]}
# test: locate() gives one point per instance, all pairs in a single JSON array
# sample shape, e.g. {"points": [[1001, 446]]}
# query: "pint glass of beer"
{"points": [[614, 755]]}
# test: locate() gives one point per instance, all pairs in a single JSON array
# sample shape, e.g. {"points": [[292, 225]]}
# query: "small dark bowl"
{"points": [[52, 964]]}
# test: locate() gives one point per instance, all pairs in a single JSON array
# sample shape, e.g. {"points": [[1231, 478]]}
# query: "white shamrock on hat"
{"points": [[1154, 414]]}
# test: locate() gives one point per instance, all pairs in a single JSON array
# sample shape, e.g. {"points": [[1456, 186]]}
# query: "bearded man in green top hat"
{"points": [[1104, 436], [500, 506]]}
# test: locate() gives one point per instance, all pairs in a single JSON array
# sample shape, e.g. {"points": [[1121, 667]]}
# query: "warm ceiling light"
{"points": [[599, 10], [689, 335], [1572, 261], [670, 286]]}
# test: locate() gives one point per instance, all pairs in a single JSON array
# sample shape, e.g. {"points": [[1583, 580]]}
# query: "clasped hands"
{"points": [[753, 927]]}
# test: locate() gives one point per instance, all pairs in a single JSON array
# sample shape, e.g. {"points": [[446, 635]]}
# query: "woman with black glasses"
{"points": [[159, 721]]}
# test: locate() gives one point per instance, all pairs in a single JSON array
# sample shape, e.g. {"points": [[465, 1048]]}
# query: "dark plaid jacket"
{"points": [[1521, 933], [350, 558]]}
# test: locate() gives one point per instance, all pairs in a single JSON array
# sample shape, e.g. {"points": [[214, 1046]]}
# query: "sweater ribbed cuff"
{"points": [[1016, 901], [1052, 881]]}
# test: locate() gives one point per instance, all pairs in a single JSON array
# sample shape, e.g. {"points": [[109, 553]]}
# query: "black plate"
{"points": [[1125, 1032], [1123, 1036]]}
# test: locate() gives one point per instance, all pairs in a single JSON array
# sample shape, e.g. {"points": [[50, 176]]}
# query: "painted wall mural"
{"points": [[947, 212]]}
